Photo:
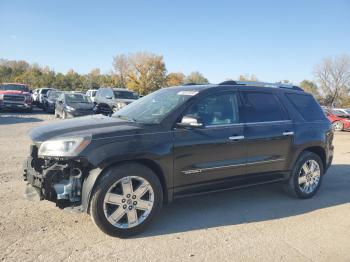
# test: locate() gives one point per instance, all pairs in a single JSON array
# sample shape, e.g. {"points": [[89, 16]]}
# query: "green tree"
{"points": [[311, 88], [248, 78]]}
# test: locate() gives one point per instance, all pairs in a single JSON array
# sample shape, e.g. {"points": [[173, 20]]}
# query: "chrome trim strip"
{"points": [[200, 170]]}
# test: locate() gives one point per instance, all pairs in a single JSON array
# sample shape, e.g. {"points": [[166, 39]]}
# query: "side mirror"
{"points": [[108, 97], [190, 121]]}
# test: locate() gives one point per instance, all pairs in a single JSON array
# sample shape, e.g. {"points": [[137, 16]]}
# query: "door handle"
{"points": [[289, 133], [236, 137]]}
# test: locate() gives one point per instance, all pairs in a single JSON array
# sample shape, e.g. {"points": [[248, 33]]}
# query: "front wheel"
{"points": [[338, 126], [306, 176], [126, 200]]}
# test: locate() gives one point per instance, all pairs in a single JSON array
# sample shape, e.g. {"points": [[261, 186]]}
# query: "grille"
{"points": [[14, 98]]}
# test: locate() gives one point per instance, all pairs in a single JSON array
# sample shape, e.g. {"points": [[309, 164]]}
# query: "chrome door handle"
{"points": [[236, 137], [288, 133]]}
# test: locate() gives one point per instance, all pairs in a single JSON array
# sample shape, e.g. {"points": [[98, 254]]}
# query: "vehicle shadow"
{"points": [[8, 117], [249, 205]]}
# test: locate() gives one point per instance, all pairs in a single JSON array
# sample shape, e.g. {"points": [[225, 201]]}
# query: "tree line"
{"points": [[146, 72]]}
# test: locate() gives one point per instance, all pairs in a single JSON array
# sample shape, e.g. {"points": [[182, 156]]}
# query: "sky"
{"points": [[274, 40]]}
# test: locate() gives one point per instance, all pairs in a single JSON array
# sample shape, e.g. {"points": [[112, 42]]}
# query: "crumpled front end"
{"points": [[58, 180]]}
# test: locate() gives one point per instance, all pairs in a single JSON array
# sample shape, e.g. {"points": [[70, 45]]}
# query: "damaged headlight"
{"points": [[68, 146]]}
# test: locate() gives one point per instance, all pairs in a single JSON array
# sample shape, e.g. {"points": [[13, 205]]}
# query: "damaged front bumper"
{"points": [[55, 179]]}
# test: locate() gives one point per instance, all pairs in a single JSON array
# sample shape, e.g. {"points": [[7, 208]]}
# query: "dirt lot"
{"points": [[256, 224]]}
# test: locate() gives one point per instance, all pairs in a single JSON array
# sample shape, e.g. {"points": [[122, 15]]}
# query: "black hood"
{"points": [[98, 126]]}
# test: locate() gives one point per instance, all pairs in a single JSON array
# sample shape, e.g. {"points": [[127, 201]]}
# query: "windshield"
{"points": [[93, 93], [347, 111], [153, 108], [337, 112], [54, 95], [15, 87], [125, 95], [77, 98]]}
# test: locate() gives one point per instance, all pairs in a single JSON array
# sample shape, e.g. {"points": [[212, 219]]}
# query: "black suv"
{"points": [[177, 142], [110, 100]]}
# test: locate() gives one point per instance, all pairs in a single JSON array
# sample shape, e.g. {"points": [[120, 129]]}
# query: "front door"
{"points": [[213, 152]]}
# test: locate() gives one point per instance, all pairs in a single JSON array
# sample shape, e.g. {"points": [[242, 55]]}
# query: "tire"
{"points": [[57, 115], [298, 182], [114, 181], [338, 126]]}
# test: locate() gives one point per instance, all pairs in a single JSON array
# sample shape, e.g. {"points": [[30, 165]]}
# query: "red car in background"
{"points": [[15, 96], [339, 122]]}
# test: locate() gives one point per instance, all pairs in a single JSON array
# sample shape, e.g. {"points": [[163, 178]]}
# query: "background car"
{"points": [[41, 94], [91, 93], [70, 105], [110, 100], [15, 96], [343, 111], [49, 103], [339, 122]]}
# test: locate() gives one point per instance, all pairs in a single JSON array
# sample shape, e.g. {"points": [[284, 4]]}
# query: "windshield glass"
{"points": [[125, 94], [337, 112], [77, 98], [153, 108], [93, 93], [14, 87], [347, 111], [54, 95]]}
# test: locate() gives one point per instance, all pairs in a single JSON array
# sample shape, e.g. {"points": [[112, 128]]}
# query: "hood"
{"points": [[98, 126], [14, 92]]}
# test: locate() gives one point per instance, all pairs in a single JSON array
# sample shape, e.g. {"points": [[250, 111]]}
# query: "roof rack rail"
{"points": [[262, 84], [190, 84]]}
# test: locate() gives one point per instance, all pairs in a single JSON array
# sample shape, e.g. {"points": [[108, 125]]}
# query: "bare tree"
{"points": [[121, 69], [333, 76]]}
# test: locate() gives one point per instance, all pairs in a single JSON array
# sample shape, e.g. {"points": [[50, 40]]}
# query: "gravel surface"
{"points": [[256, 224]]}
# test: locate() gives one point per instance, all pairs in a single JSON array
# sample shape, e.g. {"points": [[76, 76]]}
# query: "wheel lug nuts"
{"points": [[135, 203], [123, 200], [133, 197], [124, 206], [128, 195], [130, 207]]}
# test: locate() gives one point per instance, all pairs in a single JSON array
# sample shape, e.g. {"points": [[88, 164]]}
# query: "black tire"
{"points": [[108, 179], [292, 187]]}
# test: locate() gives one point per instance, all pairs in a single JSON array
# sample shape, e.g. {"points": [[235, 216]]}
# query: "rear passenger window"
{"points": [[306, 106], [262, 107]]}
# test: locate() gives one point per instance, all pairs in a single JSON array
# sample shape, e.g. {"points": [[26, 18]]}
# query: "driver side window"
{"points": [[217, 109]]}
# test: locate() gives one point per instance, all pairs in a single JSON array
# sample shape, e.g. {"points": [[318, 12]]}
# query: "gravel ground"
{"points": [[256, 224]]}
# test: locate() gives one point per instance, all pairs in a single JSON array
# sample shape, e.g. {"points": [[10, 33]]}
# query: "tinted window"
{"points": [[125, 94], [306, 106], [220, 109], [77, 98], [14, 87], [262, 107]]}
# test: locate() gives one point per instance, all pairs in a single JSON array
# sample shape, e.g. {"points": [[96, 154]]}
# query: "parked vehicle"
{"points": [[35, 95], [178, 142], [15, 96], [42, 93], [341, 112], [91, 93], [339, 121], [110, 100], [50, 99], [70, 105]]}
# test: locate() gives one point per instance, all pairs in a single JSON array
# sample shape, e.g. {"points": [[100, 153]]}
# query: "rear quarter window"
{"points": [[307, 106]]}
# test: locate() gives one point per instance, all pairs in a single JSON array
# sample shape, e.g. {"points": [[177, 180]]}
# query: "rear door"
{"points": [[268, 132]]}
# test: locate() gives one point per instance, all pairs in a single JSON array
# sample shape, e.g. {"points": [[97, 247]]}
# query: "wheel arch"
{"points": [[318, 150], [95, 175]]}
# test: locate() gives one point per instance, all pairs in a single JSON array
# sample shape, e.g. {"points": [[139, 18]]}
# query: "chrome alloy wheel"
{"points": [[128, 202], [309, 176], [337, 126]]}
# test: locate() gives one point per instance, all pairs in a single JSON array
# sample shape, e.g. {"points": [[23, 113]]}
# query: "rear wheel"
{"points": [[126, 200], [306, 176], [338, 126]]}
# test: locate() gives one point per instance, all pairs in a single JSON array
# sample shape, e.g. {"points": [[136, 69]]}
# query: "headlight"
{"points": [[120, 105], [70, 146], [69, 108]]}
